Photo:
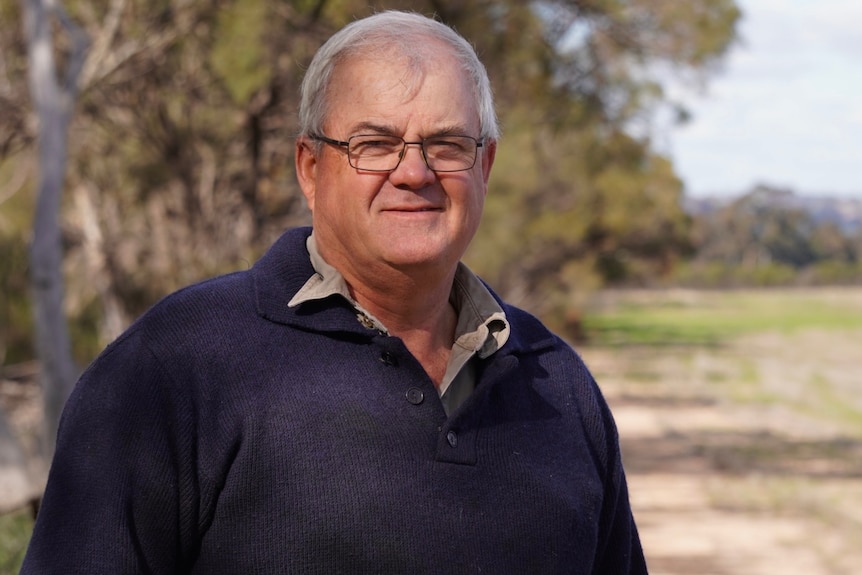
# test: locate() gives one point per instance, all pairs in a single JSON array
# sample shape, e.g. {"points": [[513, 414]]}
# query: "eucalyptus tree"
{"points": [[53, 99], [181, 146]]}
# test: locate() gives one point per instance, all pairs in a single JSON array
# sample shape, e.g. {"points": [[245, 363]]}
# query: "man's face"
{"points": [[411, 217]]}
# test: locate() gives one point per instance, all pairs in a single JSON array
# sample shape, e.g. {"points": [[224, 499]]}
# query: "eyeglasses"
{"points": [[377, 153]]}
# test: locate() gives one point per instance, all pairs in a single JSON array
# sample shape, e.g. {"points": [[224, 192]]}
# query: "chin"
{"points": [[417, 257], [421, 250]]}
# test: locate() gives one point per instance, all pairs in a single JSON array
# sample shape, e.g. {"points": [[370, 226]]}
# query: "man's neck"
{"points": [[417, 311], [411, 302]]}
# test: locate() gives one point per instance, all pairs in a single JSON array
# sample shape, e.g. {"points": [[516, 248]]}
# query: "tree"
{"points": [[581, 198], [768, 235], [54, 104], [182, 158]]}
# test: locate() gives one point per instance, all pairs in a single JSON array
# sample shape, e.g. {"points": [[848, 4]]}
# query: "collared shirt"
{"points": [[481, 330]]}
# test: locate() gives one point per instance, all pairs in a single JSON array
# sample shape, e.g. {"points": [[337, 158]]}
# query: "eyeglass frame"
{"points": [[421, 143]]}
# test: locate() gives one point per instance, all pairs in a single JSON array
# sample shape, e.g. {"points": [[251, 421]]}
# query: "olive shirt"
{"points": [[481, 330]]}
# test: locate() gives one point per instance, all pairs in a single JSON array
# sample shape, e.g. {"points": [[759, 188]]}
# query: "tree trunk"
{"points": [[53, 103]]}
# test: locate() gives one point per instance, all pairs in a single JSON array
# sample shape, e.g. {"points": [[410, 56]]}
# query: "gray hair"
{"points": [[383, 31]]}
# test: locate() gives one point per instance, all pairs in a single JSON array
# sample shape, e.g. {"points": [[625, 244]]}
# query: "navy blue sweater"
{"points": [[225, 433]]}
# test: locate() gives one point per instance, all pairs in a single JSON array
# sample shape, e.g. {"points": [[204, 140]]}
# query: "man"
{"points": [[358, 401]]}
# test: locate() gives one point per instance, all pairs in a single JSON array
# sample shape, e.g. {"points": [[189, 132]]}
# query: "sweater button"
{"points": [[387, 358], [452, 438], [415, 396]]}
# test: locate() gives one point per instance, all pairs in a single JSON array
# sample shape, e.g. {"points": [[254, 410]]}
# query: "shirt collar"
{"points": [[482, 325]]}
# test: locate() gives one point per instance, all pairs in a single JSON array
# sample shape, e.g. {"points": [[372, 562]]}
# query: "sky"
{"points": [[786, 109]]}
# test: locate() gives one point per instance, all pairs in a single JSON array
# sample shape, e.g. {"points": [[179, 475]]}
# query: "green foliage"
{"points": [[15, 530], [238, 55], [831, 272], [16, 343], [712, 274], [572, 182], [16, 322], [16, 210], [85, 333], [714, 22], [183, 140], [764, 239]]}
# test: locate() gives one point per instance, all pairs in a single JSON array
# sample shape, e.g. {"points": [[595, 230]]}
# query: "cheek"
{"points": [[345, 195], [477, 196], [478, 208], [334, 208]]}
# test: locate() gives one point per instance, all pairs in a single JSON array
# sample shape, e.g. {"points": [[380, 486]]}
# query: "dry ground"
{"points": [[744, 459]]}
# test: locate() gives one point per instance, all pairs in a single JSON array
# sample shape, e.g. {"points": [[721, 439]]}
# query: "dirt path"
{"points": [[743, 460]]}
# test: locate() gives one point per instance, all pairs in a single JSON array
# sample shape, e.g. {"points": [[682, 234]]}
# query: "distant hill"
{"points": [[845, 212]]}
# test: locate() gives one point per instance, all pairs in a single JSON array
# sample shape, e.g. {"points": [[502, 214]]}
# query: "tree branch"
{"points": [[102, 45]]}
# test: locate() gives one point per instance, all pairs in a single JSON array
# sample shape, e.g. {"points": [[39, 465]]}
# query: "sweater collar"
{"points": [[286, 268], [281, 273], [482, 326]]}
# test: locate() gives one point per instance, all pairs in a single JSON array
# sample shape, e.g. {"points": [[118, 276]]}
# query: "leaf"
{"points": [[238, 53]]}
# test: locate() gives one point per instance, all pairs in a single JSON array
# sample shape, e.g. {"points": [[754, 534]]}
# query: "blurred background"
{"points": [[676, 192]]}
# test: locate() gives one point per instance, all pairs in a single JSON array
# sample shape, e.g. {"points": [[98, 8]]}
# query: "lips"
{"points": [[414, 209]]}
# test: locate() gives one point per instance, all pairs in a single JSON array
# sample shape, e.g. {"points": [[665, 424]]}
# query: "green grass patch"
{"points": [[826, 402], [711, 318], [644, 376], [15, 531]]}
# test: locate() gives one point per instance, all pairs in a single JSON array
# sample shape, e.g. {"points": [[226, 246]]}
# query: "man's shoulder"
{"points": [[529, 331], [530, 335], [212, 297], [226, 303], [236, 292]]}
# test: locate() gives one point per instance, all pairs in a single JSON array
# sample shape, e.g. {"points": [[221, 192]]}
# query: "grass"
{"points": [[15, 530], [831, 404], [777, 439], [692, 329], [681, 322], [711, 318]]}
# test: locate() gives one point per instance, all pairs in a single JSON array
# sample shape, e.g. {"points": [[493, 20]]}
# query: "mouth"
{"points": [[415, 209]]}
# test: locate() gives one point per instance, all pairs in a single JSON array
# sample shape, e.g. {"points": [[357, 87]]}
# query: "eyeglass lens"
{"points": [[384, 153]]}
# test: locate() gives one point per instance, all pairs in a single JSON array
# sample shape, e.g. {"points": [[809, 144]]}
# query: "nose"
{"points": [[406, 147], [412, 169]]}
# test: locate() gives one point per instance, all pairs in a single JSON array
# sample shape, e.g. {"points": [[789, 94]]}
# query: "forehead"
{"points": [[426, 89]]}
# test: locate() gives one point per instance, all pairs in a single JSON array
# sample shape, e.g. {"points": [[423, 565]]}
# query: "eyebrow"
{"points": [[372, 128], [388, 130]]}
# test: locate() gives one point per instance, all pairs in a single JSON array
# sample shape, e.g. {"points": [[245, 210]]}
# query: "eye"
{"points": [[374, 145], [451, 146]]}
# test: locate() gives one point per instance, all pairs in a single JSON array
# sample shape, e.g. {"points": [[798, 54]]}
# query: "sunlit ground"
{"points": [[741, 423]]}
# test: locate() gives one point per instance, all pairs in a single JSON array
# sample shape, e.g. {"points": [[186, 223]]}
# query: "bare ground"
{"points": [[744, 459]]}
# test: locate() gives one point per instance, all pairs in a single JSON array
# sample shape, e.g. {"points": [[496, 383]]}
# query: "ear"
{"points": [[306, 169], [489, 152]]}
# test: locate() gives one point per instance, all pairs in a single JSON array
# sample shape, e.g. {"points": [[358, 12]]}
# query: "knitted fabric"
{"points": [[225, 433]]}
